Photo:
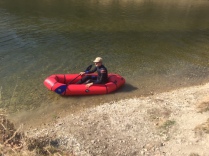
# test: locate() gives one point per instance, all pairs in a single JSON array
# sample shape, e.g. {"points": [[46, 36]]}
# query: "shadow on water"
{"points": [[127, 88]]}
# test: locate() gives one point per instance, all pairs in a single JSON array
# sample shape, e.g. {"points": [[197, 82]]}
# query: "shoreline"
{"points": [[169, 123], [168, 119]]}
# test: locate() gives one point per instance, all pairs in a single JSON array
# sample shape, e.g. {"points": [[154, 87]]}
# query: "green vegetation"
{"points": [[167, 124]]}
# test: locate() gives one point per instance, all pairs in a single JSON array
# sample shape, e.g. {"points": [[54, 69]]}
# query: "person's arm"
{"points": [[91, 71], [88, 72]]}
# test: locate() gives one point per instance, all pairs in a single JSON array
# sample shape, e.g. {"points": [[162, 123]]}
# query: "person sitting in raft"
{"points": [[101, 78]]}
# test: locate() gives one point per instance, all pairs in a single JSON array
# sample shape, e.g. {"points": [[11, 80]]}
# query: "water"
{"points": [[156, 45]]}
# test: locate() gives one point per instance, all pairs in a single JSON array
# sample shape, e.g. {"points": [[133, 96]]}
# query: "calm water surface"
{"points": [[156, 45]]}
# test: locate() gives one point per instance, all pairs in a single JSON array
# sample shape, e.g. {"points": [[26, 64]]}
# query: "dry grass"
{"points": [[10, 138], [14, 143], [203, 107], [159, 116], [194, 154], [202, 128]]}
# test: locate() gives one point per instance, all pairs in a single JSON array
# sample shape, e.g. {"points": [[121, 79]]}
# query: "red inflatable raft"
{"points": [[60, 84]]}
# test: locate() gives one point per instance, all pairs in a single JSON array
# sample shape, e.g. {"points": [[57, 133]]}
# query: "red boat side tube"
{"points": [[53, 83], [60, 84]]}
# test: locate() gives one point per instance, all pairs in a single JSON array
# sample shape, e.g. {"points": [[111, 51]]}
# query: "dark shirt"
{"points": [[102, 74]]}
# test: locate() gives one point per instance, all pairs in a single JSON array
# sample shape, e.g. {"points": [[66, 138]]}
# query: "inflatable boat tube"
{"points": [[65, 84]]}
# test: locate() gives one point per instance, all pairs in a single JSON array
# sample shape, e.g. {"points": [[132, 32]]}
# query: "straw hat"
{"points": [[98, 59]]}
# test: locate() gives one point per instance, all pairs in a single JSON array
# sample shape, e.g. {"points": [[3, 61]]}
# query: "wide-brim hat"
{"points": [[98, 59]]}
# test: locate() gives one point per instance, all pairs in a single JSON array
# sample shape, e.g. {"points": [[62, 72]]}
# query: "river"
{"points": [[156, 45]]}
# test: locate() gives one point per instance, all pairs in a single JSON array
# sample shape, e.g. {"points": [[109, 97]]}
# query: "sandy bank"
{"points": [[171, 123]]}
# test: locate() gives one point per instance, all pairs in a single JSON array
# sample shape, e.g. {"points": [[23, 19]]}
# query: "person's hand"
{"points": [[89, 84], [82, 73]]}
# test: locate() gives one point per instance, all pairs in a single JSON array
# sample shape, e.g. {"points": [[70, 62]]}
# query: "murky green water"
{"points": [[156, 45]]}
